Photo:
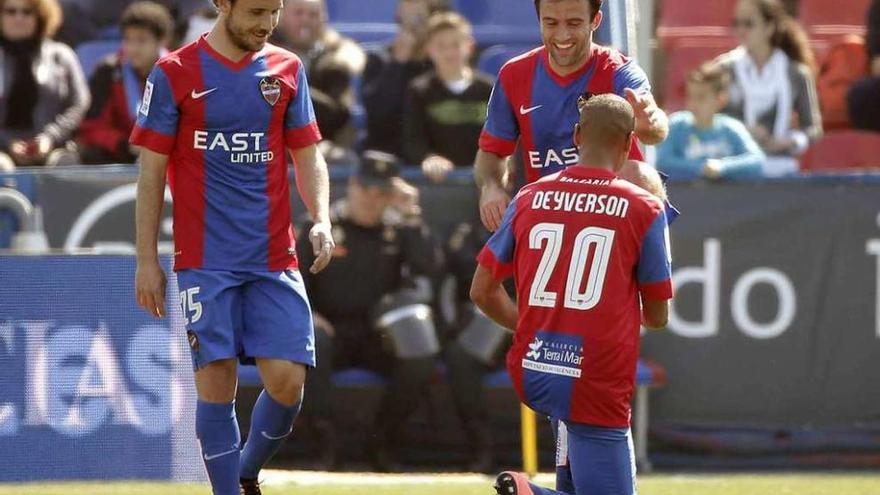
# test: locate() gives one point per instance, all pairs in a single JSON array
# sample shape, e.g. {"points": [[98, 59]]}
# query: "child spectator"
{"points": [[445, 108], [118, 84], [704, 143], [388, 73]]}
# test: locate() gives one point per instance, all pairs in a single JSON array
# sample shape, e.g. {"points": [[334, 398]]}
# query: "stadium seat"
{"points": [[687, 18], [827, 154], [91, 53], [827, 22], [363, 22], [686, 56], [493, 58], [359, 11], [501, 21]]}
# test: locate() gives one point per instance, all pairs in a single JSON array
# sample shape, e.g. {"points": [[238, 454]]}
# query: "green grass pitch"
{"points": [[786, 484]]}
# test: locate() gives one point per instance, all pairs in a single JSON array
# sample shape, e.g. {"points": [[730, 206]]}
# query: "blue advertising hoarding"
{"points": [[91, 386]]}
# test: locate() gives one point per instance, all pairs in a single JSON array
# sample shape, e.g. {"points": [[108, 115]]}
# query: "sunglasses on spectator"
{"points": [[744, 23], [24, 11]]}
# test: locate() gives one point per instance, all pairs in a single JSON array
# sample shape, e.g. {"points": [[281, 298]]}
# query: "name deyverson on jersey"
{"points": [[600, 204], [238, 145]]}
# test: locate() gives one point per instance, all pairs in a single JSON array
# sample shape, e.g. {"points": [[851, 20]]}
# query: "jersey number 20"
{"points": [[548, 236]]}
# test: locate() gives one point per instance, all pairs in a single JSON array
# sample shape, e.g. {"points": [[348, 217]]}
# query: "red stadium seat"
{"points": [[685, 56], [827, 21], [687, 18], [843, 150]]}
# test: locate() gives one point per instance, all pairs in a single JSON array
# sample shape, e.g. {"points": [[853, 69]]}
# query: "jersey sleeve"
{"points": [[501, 130], [630, 75], [497, 255], [300, 125], [158, 115], [654, 270]]}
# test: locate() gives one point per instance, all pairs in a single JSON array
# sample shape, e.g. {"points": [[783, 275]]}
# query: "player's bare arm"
{"points": [[489, 295], [655, 313], [149, 277], [490, 171], [313, 183], [652, 124]]}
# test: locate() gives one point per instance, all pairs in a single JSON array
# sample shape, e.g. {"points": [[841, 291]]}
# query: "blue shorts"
{"points": [[246, 315], [594, 460]]}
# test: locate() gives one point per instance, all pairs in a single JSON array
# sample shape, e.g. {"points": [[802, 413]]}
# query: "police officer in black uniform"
{"points": [[476, 347], [372, 306]]}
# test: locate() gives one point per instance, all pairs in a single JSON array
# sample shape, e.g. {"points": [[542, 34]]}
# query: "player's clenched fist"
{"points": [[150, 283], [493, 203], [322, 245]]}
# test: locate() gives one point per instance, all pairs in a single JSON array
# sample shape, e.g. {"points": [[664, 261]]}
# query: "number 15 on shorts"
{"points": [[192, 309]]}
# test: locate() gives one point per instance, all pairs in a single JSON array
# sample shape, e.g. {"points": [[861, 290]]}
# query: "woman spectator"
{"points": [[773, 88], [43, 93]]}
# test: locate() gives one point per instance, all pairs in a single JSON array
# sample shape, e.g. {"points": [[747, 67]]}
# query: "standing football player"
{"points": [[219, 116], [534, 102], [587, 250]]}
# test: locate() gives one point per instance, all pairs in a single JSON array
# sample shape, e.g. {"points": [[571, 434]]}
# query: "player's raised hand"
{"points": [[149, 280], [322, 245], [493, 203], [644, 106]]}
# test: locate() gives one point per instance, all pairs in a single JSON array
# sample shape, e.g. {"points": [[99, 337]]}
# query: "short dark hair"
{"points": [[150, 16], [712, 74], [596, 6]]}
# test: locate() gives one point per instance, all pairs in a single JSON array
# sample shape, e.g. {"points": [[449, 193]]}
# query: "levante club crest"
{"points": [[271, 89]]}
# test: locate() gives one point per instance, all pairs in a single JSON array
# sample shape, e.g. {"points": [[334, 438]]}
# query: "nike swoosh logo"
{"points": [[196, 95], [270, 437], [525, 111], [212, 457]]}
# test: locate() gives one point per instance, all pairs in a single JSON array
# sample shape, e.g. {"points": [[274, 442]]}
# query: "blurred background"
{"points": [[772, 354]]}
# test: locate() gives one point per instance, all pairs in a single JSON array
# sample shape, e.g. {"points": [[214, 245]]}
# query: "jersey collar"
{"points": [[574, 76], [232, 64], [588, 172]]}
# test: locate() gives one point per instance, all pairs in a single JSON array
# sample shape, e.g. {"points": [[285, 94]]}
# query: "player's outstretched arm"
{"points": [[313, 183], [149, 277], [489, 295], [490, 172], [652, 124]]}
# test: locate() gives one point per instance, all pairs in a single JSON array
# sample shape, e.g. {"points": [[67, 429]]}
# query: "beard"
{"points": [[242, 38]]}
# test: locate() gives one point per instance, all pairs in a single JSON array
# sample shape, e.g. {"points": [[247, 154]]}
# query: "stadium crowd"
{"points": [[419, 99]]}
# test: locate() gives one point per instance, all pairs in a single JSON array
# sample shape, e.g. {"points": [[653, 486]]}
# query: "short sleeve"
{"points": [[158, 115], [497, 255], [300, 125], [631, 76], [654, 271], [501, 130]]}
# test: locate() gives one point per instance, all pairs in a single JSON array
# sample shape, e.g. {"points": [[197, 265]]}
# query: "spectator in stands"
{"points": [[118, 84], [43, 93], [383, 259], [332, 62], [864, 97], [389, 72], [704, 143], [773, 88], [445, 108], [93, 18]]}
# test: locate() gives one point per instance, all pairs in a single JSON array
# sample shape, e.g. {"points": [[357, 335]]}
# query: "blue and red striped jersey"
{"points": [[226, 126], [582, 246], [537, 107]]}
